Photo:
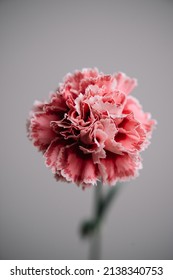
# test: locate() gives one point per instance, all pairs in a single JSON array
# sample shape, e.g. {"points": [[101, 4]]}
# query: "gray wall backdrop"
{"points": [[40, 42]]}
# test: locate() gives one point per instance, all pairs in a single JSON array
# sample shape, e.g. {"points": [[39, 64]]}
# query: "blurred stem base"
{"points": [[92, 228], [95, 245]]}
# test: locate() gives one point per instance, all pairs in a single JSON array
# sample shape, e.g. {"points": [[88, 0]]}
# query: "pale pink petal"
{"points": [[133, 105], [124, 83]]}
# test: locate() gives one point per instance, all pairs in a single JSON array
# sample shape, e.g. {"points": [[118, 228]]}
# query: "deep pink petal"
{"points": [[119, 167], [40, 131], [79, 168], [55, 156], [57, 104]]}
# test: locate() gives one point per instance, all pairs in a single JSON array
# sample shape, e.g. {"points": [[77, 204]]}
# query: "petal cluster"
{"points": [[91, 128]]}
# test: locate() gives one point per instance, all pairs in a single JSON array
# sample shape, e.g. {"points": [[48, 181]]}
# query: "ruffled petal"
{"points": [[124, 83], [79, 168], [40, 131], [133, 105], [55, 156], [119, 167]]}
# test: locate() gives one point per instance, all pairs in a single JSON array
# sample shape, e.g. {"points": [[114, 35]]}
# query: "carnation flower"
{"points": [[91, 129]]}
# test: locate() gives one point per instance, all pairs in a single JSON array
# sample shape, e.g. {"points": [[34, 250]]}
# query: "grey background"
{"points": [[40, 42]]}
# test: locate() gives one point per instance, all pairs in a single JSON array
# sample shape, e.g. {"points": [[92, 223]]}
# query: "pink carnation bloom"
{"points": [[91, 128]]}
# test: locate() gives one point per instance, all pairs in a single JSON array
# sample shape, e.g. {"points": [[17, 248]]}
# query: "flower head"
{"points": [[91, 128]]}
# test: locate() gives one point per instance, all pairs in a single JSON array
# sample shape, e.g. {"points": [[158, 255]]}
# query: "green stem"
{"points": [[91, 228], [95, 249]]}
